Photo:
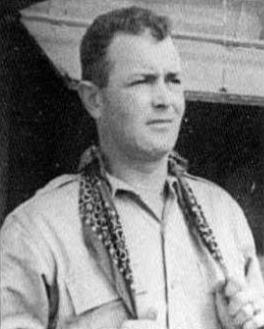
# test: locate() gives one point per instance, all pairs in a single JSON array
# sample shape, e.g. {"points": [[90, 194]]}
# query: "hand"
{"points": [[239, 306], [149, 322]]}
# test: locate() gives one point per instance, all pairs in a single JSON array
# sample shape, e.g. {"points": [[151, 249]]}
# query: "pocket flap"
{"points": [[89, 294]]}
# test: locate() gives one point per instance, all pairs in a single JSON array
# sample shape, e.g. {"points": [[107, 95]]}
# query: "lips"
{"points": [[159, 121]]}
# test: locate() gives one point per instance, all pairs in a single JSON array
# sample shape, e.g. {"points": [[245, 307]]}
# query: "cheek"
{"points": [[126, 111], [131, 108]]}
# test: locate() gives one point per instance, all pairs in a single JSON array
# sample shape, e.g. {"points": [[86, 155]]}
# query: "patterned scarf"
{"points": [[102, 228]]}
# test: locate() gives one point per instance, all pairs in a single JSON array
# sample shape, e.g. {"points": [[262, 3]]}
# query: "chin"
{"points": [[156, 153], [149, 150]]}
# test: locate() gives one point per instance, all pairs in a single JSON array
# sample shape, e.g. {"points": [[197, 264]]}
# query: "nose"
{"points": [[162, 96]]}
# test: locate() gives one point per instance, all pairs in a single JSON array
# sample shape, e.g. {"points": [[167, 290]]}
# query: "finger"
{"points": [[220, 286], [221, 301], [256, 322], [238, 301], [222, 307], [233, 287], [245, 314]]}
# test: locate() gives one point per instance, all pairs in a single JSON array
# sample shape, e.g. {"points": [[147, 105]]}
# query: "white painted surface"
{"points": [[207, 66]]}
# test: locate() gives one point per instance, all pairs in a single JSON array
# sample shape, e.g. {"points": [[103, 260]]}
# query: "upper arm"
{"points": [[24, 278], [232, 231], [246, 244]]}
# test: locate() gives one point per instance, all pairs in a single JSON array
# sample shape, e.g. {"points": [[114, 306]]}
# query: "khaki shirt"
{"points": [[47, 271]]}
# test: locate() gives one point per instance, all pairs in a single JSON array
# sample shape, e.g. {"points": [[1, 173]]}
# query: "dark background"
{"points": [[44, 129]]}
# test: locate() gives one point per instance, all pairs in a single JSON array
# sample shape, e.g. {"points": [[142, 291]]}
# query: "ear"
{"points": [[91, 97]]}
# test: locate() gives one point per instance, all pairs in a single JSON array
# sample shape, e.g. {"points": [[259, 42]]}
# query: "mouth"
{"points": [[160, 125], [159, 122]]}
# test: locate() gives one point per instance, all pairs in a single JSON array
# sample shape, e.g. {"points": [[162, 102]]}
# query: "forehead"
{"points": [[131, 52]]}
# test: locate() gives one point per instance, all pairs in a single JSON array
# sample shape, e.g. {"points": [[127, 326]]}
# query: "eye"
{"points": [[138, 82], [174, 79], [148, 79]]}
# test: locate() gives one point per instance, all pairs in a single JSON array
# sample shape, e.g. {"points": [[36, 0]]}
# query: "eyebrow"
{"points": [[153, 74]]}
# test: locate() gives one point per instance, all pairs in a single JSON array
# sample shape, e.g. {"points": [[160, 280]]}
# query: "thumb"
{"points": [[222, 309], [233, 286]]}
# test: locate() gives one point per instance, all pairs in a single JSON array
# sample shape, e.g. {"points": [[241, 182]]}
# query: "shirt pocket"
{"points": [[89, 293], [95, 302]]}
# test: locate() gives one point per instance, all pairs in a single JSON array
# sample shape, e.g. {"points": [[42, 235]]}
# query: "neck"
{"points": [[140, 174]]}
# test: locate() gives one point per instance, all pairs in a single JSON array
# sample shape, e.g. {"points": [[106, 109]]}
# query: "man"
{"points": [[133, 241]]}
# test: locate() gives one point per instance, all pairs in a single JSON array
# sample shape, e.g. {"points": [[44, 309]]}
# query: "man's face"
{"points": [[143, 101]]}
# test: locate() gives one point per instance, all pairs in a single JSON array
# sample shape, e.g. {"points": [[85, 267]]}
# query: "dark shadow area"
{"points": [[44, 129], [6, 6], [225, 144], [40, 116]]}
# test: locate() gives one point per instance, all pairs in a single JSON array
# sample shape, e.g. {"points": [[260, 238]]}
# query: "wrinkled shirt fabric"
{"points": [[48, 272]]}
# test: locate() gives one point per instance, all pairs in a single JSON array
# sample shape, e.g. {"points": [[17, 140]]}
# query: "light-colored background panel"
{"points": [[219, 41]]}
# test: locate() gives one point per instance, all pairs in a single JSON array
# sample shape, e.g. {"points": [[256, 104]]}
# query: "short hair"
{"points": [[94, 45]]}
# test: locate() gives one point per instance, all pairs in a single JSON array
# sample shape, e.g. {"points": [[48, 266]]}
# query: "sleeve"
{"points": [[24, 278], [246, 245]]}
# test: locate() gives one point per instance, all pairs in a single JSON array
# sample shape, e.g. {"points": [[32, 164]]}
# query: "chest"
{"points": [[172, 272]]}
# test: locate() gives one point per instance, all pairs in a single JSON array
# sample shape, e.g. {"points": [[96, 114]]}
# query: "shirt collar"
{"points": [[118, 185]]}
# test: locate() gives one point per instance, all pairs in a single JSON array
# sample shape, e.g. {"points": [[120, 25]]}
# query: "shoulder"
{"points": [[221, 209], [56, 201], [58, 184], [56, 193], [205, 188], [216, 201]]}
